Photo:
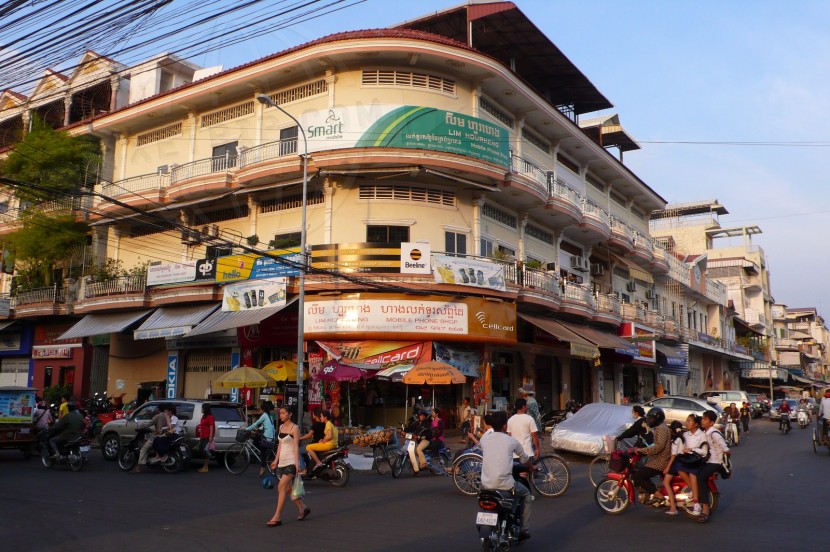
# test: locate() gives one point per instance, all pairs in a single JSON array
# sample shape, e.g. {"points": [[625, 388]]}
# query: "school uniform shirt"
{"points": [[717, 446], [696, 441], [677, 446]]}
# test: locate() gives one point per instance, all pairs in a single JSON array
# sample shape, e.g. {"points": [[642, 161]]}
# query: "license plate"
{"points": [[487, 518], [85, 448], [227, 432], [408, 436]]}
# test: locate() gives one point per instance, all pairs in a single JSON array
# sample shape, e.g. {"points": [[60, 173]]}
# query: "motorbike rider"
{"points": [[638, 429], [498, 449], [784, 412], [423, 435], [824, 413], [156, 426], [717, 448], [657, 455], [68, 428]]}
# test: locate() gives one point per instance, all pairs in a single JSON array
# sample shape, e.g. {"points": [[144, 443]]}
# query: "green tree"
{"points": [[53, 161], [53, 166]]}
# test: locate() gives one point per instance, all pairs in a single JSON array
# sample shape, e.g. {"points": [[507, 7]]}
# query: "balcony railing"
{"points": [[558, 188], [202, 167], [786, 342], [633, 312], [620, 227], [579, 293], [641, 240], [522, 166], [594, 210], [136, 184], [51, 294], [755, 317], [540, 279], [654, 319], [716, 291], [608, 303], [798, 326], [265, 152], [125, 285]]}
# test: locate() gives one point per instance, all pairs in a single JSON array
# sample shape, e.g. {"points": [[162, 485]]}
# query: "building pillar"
{"points": [[478, 203], [253, 215], [115, 84], [67, 106], [565, 389], [331, 79], [328, 209]]}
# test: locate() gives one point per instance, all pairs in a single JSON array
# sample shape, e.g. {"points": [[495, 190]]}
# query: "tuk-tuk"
{"points": [[17, 407]]}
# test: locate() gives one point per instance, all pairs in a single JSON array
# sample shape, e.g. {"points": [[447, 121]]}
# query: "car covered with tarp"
{"points": [[583, 432]]}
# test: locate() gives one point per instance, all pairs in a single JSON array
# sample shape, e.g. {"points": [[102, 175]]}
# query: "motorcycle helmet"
{"points": [[655, 416]]}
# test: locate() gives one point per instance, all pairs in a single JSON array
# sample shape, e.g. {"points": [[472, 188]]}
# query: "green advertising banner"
{"points": [[385, 126]]}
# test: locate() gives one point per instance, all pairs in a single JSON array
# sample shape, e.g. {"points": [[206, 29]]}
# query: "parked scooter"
{"points": [[802, 418], [437, 464], [178, 455], [333, 467]]}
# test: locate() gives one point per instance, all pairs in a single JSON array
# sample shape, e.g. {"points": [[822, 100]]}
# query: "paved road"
{"points": [[102, 508]]}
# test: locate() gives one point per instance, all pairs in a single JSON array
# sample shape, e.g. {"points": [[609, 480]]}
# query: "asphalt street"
{"points": [[774, 500]]}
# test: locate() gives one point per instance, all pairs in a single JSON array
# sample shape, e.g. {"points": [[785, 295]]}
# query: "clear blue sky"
{"points": [[712, 71]]}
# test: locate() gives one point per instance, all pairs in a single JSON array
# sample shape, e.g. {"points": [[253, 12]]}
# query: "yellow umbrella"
{"points": [[434, 373], [244, 377], [282, 370]]}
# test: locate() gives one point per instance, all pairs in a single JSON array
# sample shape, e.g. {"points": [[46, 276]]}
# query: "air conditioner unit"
{"points": [[191, 237], [631, 286], [550, 267], [649, 293], [597, 269], [164, 169], [579, 263]]}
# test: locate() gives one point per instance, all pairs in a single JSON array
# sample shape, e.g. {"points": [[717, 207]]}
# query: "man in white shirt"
{"points": [[522, 427], [498, 449]]}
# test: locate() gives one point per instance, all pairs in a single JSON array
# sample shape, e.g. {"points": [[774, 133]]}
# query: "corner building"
{"points": [[462, 133]]}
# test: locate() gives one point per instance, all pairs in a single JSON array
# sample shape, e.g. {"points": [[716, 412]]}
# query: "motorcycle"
{"points": [[615, 492], [784, 422], [803, 419], [499, 524], [333, 467], [178, 455], [731, 432], [75, 453], [436, 463]]}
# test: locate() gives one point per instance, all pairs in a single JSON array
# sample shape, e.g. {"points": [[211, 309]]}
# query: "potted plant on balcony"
{"points": [[253, 240]]}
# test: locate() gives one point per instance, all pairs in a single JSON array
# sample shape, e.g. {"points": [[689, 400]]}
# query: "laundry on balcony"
{"points": [[173, 321], [99, 324]]}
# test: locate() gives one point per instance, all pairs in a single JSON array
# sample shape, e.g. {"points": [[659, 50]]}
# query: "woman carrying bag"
{"points": [[285, 468]]}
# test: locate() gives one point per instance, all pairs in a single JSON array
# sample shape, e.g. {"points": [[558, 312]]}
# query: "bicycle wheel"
{"points": [[552, 476], [598, 469], [237, 458], [381, 460], [401, 462], [467, 474], [270, 456]]}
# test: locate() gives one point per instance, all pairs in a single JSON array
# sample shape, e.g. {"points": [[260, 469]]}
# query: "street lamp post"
{"points": [[266, 100]]}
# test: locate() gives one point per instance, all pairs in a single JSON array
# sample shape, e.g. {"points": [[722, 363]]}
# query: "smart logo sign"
{"points": [[408, 126]]}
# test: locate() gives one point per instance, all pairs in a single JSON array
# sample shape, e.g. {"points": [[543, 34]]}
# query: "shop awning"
{"points": [[98, 324], [173, 321], [580, 347], [603, 340], [226, 320], [6, 324], [800, 379], [673, 361]]}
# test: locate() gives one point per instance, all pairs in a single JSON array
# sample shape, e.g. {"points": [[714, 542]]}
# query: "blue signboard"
{"points": [[234, 363], [172, 373], [266, 267]]}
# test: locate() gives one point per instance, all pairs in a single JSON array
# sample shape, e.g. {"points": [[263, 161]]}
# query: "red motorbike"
{"points": [[615, 492]]}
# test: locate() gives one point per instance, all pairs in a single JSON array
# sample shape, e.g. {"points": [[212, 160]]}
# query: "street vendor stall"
{"points": [[17, 406]]}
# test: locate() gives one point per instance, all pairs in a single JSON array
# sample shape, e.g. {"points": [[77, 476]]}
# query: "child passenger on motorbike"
{"points": [[676, 429]]}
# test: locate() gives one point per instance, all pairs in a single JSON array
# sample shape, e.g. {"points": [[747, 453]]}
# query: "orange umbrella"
{"points": [[434, 373]]}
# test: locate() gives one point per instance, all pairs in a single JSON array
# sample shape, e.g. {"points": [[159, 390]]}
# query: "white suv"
{"points": [[725, 398]]}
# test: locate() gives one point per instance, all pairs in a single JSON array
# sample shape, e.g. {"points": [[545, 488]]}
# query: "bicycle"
{"points": [[551, 478], [731, 432], [238, 456], [598, 468], [380, 457]]}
